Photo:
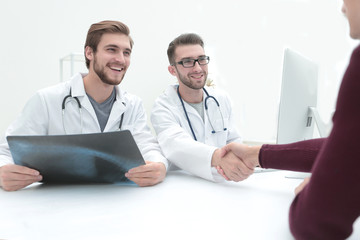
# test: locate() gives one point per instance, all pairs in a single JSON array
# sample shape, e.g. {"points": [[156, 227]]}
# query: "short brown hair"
{"points": [[183, 39], [96, 31]]}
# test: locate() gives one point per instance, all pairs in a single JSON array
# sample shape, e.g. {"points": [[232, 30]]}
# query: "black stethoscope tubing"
{"points": [[206, 109], [80, 110]]}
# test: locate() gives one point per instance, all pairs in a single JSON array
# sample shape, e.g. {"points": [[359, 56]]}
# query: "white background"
{"points": [[245, 40]]}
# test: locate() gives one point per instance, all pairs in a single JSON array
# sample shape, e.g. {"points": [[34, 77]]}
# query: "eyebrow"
{"points": [[192, 57], [116, 46]]}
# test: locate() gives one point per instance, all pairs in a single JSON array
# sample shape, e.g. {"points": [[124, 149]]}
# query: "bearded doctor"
{"points": [[193, 121], [91, 103]]}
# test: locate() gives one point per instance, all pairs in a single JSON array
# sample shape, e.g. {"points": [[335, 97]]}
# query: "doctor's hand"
{"points": [[248, 155], [14, 177], [230, 166], [147, 175]]}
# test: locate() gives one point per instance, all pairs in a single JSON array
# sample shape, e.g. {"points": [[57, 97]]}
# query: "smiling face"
{"points": [[193, 77], [351, 8], [111, 59]]}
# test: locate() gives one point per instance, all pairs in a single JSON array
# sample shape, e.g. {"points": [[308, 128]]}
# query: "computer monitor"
{"points": [[297, 112]]}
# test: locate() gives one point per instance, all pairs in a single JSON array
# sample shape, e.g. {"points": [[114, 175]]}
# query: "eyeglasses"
{"points": [[188, 63]]}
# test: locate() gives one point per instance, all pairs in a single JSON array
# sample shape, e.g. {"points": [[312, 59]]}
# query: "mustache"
{"points": [[202, 72]]}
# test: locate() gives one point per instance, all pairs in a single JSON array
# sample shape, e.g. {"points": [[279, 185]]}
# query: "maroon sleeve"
{"points": [[298, 156], [328, 206]]}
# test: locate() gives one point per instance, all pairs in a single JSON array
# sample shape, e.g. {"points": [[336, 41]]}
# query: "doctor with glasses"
{"points": [[193, 121]]}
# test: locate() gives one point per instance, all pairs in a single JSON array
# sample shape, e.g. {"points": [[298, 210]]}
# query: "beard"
{"points": [[100, 71], [186, 80]]}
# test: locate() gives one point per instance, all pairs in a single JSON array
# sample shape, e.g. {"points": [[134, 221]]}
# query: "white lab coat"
{"points": [[175, 137], [42, 115]]}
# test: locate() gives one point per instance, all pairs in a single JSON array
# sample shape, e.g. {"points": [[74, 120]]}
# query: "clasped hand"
{"points": [[238, 161]]}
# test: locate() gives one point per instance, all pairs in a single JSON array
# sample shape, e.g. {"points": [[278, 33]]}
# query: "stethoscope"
{"points": [[71, 98], [206, 110]]}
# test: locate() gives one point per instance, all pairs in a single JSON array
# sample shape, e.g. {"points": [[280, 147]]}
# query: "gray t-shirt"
{"points": [[199, 107], [102, 110]]}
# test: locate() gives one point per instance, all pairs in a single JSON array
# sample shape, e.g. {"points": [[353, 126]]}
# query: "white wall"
{"points": [[245, 40]]}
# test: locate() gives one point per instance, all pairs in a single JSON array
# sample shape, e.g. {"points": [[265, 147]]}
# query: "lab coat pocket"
{"points": [[220, 130], [220, 124]]}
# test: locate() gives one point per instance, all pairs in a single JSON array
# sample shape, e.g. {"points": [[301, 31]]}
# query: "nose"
{"points": [[197, 65], [120, 57], [343, 9]]}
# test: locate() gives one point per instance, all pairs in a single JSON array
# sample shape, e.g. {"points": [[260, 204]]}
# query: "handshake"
{"points": [[236, 161]]}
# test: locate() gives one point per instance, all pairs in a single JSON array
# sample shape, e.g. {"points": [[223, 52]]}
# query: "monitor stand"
{"points": [[323, 132], [321, 126]]}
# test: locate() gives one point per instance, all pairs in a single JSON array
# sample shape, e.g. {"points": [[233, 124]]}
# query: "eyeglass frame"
{"points": [[207, 58]]}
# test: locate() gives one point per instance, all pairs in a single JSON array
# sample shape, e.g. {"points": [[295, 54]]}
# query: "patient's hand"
{"points": [[248, 154], [233, 168], [299, 188]]}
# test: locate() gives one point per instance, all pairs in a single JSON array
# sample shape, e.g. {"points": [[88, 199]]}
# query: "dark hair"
{"points": [[183, 39], [96, 31]]}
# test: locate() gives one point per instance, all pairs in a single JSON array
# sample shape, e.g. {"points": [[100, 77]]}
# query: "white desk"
{"points": [[182, 207]]}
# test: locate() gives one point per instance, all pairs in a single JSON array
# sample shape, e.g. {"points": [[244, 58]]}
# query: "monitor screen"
{"points": [[298, 94]]}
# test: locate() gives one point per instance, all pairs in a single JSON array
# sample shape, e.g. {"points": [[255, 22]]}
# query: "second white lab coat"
{"points": [[176, 139], [42, 115]]}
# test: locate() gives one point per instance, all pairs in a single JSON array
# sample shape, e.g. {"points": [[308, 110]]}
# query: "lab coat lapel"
{"points": [[78, 90], [207, 114], [118, 108], [172, 92]]}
